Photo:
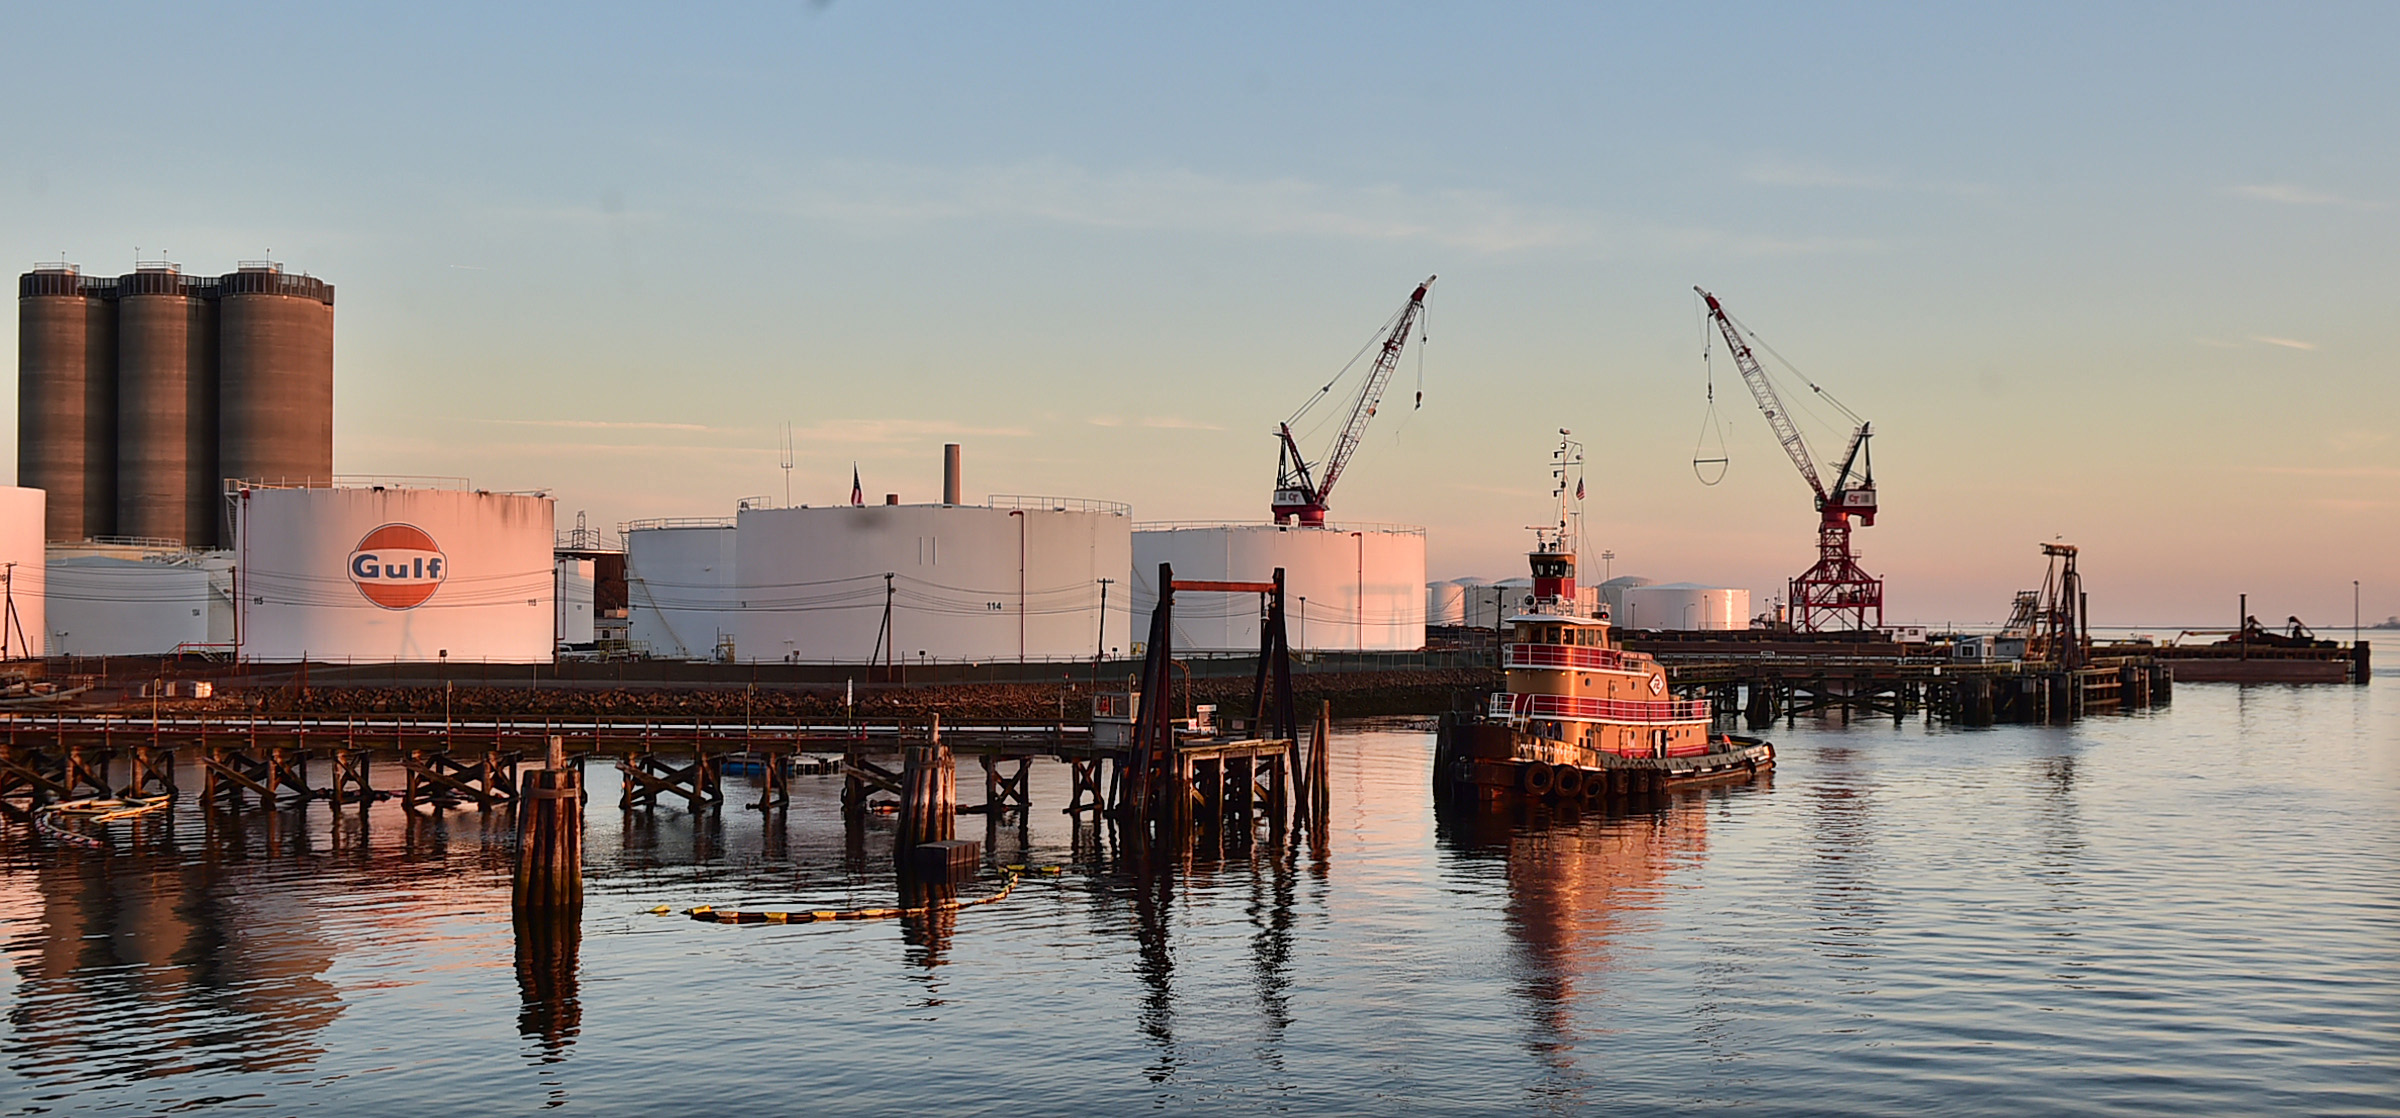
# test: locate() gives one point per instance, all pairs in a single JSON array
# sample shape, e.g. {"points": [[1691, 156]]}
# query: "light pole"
{"points": [[1361, 600], [1607, 564]]}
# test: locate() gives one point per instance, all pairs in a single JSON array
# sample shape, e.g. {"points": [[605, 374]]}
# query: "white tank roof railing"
{"points": [[1057, 504], [654, 523], [350, 481], [1347, 526]]}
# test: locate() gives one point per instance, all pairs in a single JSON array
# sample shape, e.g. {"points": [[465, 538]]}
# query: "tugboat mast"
{"points": [[1553, 555]]}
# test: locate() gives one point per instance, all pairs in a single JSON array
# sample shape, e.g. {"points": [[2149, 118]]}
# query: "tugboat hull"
{"points": [[1480, 759]]}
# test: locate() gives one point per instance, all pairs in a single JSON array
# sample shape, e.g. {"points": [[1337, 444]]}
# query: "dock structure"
{"points": [[1156, 776], [1761, 688]]}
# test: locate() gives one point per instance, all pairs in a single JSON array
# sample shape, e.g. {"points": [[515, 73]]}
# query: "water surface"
{"points": [[2194, 908]]}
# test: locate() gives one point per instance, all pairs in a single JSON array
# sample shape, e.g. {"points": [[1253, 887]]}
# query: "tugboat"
{"points": [[1581, 719]]}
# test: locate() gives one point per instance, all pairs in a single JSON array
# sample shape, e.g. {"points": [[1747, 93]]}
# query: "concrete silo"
{"points": [[274, 376], [67, 399], [139, 395], [1346, 586], [166, 408]]}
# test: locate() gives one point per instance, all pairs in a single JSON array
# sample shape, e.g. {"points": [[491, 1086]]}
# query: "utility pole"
{"points": [[1100, 644]]}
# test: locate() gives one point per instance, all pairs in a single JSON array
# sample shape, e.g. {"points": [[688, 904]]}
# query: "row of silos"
{"points": [[138, 395]]}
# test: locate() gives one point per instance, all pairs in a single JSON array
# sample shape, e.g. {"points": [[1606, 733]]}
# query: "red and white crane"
{"points": [[1300, 490], [1836, 593]]}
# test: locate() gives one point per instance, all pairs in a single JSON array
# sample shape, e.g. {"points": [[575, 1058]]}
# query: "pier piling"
{"points": [[549, 805], [928, 794]]}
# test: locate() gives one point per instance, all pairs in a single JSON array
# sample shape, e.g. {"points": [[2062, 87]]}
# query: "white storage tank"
{"points": [[679, 586], [573, 588], [360, 572], [1480, 604], [23, 573], [1445, 603], [1018, 578], [1612, 594], [1685, 605], [1346, 586], [102, 605]]}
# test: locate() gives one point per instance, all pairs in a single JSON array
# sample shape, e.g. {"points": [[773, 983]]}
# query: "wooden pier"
{"points": [[1156, 777], [1761, 688]]}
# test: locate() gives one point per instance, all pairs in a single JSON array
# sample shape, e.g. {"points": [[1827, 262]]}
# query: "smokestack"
{"points": [[950, 480]]}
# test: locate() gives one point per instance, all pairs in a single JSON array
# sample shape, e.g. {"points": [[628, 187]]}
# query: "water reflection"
{"points": [[217, 976], [1841, 820], [551, 1013], [1583, 892]]}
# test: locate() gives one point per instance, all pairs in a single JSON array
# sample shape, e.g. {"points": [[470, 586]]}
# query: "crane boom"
{"points": [[1786, 432], [1836, 593], [1297, 492]]}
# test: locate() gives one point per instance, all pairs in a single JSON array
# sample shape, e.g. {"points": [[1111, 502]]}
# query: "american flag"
{"points": [[1578, 489], [858, 493]]}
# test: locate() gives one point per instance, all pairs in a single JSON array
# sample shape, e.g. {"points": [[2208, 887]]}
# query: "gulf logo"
{"points": [[398, 566]]}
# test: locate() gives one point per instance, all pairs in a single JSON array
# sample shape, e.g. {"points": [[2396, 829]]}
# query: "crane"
{"points": [[1301, 492], [1835, 593]]}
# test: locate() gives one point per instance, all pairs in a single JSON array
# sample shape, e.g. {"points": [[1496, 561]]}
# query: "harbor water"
{"points": [[2194, 908]]}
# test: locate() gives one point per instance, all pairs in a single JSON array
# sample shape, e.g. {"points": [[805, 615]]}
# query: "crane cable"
{"points": [[1423, 337], [1710, 422], [1786, 362]]}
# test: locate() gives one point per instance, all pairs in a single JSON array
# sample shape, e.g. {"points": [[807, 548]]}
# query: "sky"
{"points": [[2122, 275]]}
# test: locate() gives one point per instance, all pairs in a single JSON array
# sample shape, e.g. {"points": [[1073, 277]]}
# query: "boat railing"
{"points": [[1574, 707], [1566, 656]]}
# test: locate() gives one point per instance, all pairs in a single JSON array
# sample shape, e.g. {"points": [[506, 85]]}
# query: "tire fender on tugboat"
{"points": [[1567, 781], [1538, 778]]}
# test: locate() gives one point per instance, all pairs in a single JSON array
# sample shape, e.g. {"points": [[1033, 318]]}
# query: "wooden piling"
{"points": [[550, 835], [928, 793], [1319, 800]]}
